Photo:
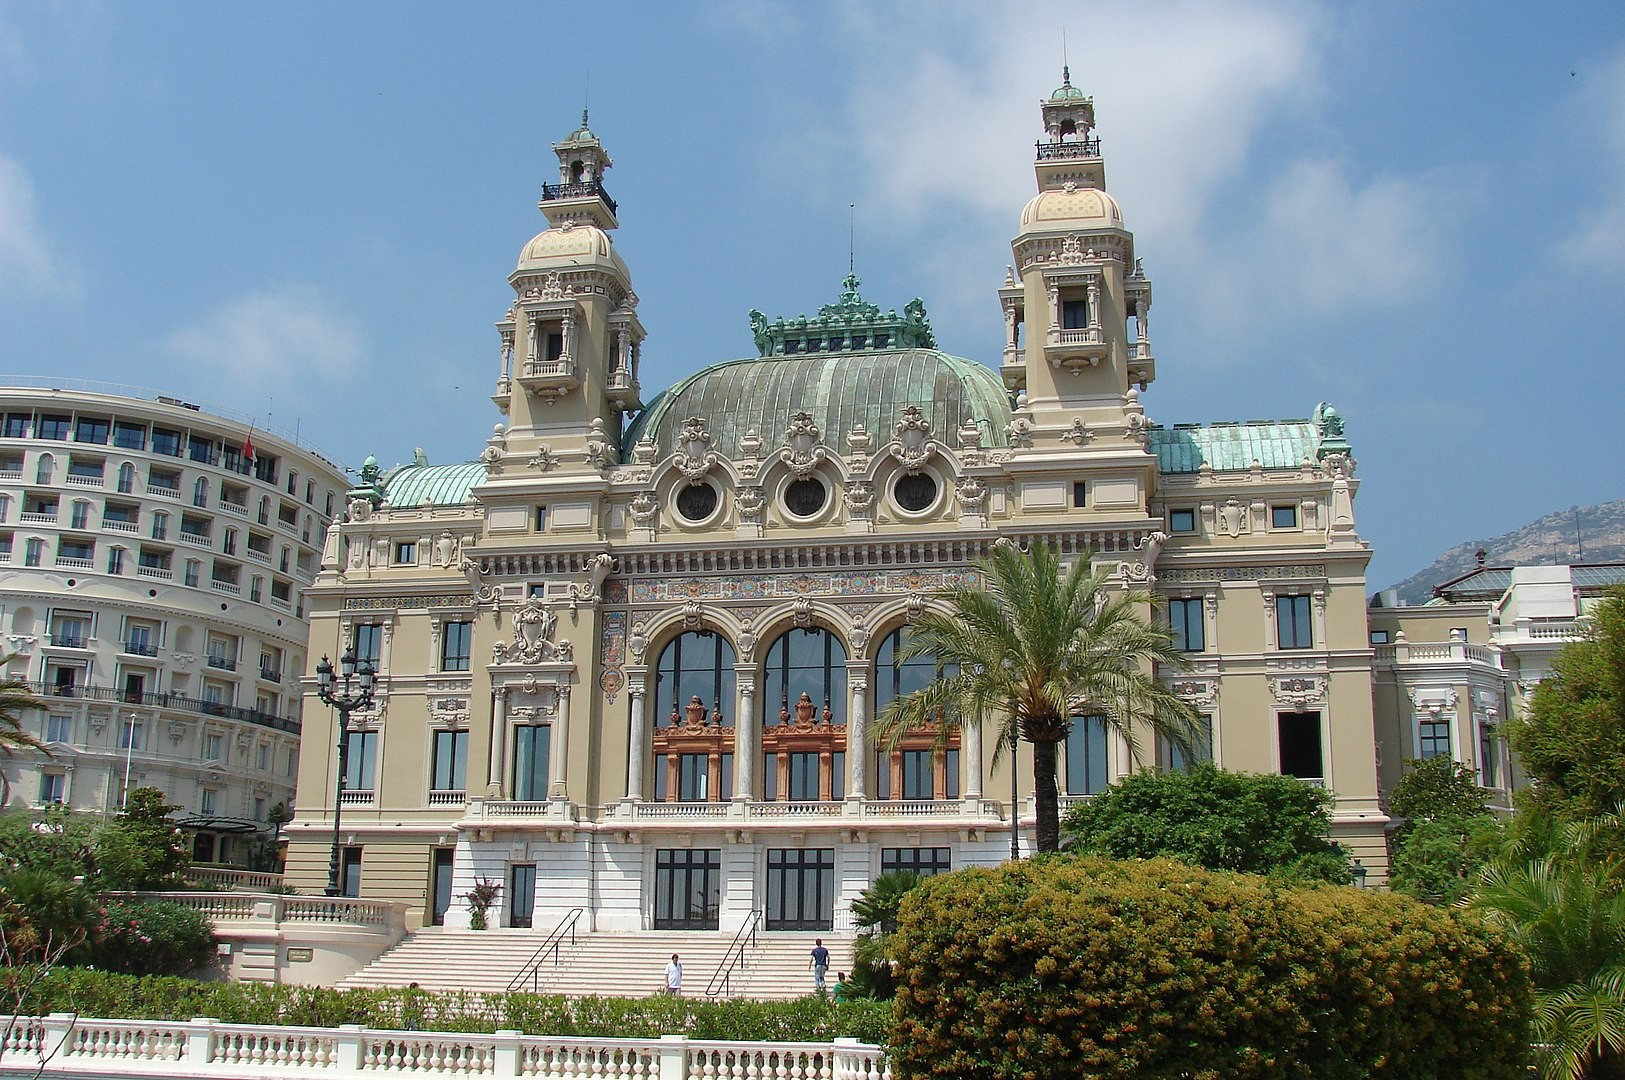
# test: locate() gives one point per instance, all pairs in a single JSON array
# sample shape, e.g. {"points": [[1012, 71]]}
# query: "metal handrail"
{"points": [[533, 966], [735, 956]]}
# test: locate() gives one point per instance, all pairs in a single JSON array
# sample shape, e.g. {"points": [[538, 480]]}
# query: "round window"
{"points": [[805, 497], [696, 502], [915, 493]]}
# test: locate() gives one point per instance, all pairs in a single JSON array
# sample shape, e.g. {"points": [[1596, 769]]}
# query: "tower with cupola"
{"points": [[1075, 301], [572, 341]]}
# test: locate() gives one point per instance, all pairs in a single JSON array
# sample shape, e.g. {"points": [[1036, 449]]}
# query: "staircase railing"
{"points": [[721, 980], [555, 940]]}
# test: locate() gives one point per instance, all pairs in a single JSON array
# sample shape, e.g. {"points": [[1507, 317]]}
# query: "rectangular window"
{"points": [[115, 560], [1187, 624], [129, 436], [450, 760], [1173, 759], [1293, 629], [917, 774], [193, 570], [530, 762], [1432, 738], [688, 888], [213, 747], [201, 449], [521, 894], [1488, 774], [1182, 521], [924, 861], [17, 425], [406, 554], [80, 516], [1086, 756], [165, 441], [53, 427], [262, 757], [209, 801], [91, 429], [693, 776], [33, 550], [369, 638], [1080, 493], [359, 764], [1284, 517], [455, 641], [1299, 735], [541, 519], [1380, 637], [1074, 314], [803, 777], [554, 347], [53, 787], [59, 729], [132, 735]]}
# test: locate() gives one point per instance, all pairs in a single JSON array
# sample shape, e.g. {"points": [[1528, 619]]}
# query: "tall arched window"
{"points": [[126, 478], [694, 738], [917, 768], [804, 717], [200, 492], [46, 467]]}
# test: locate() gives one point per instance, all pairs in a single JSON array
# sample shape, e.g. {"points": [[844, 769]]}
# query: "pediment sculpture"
{"points": [[912, 444], [533, 642], [803, 445]]}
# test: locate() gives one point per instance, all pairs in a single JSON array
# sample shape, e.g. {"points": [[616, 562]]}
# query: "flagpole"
{"points": [[129, 748]]}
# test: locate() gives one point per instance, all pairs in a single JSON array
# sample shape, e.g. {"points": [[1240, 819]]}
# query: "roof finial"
{"points": [[1066, 68], [851, 238], [586, 95]]}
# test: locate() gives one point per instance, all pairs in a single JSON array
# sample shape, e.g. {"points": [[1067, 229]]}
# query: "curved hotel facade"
{"points": [[153, 567]]}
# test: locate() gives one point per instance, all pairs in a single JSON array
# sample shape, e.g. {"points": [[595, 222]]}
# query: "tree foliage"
{"points": [[1557, 894], [1439, 788], [1092, 968], [1212, 818], [876, 911], [142, 848], [1572, 737], [157, 937], [1029, 649]]}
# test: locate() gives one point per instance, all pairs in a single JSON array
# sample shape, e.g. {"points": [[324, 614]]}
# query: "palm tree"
{"points": [[1565, 907], [1036, 646], [15, 698]]}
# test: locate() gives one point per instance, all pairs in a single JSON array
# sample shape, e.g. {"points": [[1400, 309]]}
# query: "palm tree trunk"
{"points": [[1046, 797]]}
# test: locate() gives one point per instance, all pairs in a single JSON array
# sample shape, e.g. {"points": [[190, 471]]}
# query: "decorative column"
{"points": [[499, 740], [1094, 303], [560, 748], [970, 758], [569, 354], [857, 733], [746, 735], [635, 752]]}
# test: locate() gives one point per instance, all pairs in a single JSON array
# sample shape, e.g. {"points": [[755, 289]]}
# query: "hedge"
{"points": [[808, 1019], [1093, 968]]}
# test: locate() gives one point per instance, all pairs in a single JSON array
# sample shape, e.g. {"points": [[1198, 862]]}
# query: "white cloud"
{"points": [[1184, 95], [268, 342], [27, 264]]}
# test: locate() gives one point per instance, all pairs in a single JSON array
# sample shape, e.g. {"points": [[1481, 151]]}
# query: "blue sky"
{"points": [[307, 212]]}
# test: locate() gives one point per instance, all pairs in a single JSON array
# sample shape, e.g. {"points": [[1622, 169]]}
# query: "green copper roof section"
{"points": [[1274, 444], [851, 324], [841, 391], [422, 484], [1066, 91]]}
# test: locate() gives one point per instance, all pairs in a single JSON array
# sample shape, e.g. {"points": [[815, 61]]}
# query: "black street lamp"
{"points": [[1015, 812], [353, 692]]}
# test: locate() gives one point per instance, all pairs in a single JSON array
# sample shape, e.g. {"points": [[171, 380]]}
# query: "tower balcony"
{"points": [[550, 378], [1074, 150], [581, 189], [1076, 348], [622, 391]]}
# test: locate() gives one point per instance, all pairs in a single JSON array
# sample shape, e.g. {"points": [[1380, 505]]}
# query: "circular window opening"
{"points": [[804, 498], [915, 493], [696, 502]]}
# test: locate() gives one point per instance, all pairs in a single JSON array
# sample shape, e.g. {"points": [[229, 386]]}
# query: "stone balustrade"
{"points": [[64, 1045]]}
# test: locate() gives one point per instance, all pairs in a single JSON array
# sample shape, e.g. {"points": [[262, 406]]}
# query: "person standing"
{"points": [[819, 964], [674, 976]]}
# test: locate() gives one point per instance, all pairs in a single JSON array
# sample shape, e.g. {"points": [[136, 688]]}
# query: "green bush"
{"points": [[102, 994], [1093, 968], [1216, 819], [158, 937], [1441, 861]]}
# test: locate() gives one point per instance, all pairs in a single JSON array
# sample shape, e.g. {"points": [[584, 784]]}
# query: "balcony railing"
{"points": [[86, 479], [230, 587], [223, 663], [257, 555], [197, 539], [270, 674], [234, 507], [38, 517], [75, 640], [447, 798], [160, 489], [358, 797], [140, 648], [118, 525], [168, 701], [160, 573], [73, 563], [581, 190], [1069, 151]]}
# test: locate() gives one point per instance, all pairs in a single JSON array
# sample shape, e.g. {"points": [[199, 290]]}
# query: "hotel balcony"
{"points": [[774, 814]]}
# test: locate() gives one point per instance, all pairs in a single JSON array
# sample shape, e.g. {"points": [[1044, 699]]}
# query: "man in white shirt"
{"points": [[674, 976]]}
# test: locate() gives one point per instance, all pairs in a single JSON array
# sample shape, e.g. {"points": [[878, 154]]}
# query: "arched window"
{"points": [[126, 478], [917, 768], [804, 716], [200, 492], [696, 664], [47, 466], [265, 510], [694, 738]]}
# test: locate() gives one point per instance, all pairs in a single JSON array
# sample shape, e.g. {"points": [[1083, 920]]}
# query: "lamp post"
{"points": [[1015, 810], [351, 691]]}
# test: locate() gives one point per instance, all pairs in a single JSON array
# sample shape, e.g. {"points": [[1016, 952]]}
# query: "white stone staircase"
{"points": [[603, 964]]}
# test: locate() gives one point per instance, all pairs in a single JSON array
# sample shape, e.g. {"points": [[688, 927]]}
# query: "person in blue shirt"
{"points": [[819, 964]]}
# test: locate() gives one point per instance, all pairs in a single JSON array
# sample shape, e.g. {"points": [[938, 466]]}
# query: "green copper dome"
{"points": [[1066, 91], [841, 391]]}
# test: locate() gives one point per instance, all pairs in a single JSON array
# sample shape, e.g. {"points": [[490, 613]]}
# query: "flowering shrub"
{"points": [[1094, 968], [157, 938], [480, 898]]}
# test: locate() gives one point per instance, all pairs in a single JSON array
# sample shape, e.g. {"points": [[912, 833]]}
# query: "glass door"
{"points": [[440, 885], [521, 894], [800, 889], [688, 889]]}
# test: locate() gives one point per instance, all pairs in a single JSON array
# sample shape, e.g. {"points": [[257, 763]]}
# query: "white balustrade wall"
{"points": [[67, 1046]]}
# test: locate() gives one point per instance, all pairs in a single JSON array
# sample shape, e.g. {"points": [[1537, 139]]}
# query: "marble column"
{"points": [[636, 751], [857, 733], [499, 739], [746, 732], [559, 748], [970, 758]]}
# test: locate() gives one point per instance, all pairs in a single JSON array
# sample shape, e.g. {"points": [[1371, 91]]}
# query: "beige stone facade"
{"points": [[628, 658]]}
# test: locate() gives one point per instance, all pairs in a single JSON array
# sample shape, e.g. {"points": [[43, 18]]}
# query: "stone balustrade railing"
{"points": [[226, 877], [64, 1045], [279, 909]]}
